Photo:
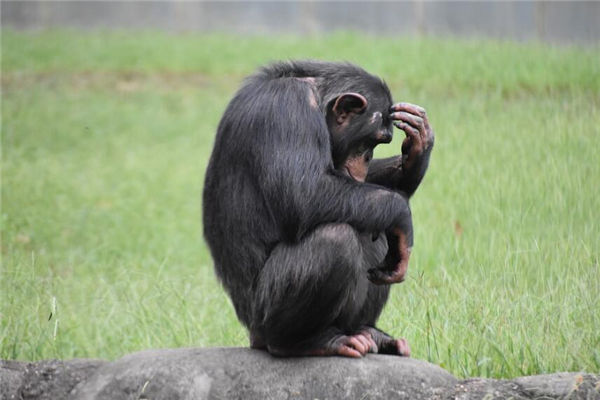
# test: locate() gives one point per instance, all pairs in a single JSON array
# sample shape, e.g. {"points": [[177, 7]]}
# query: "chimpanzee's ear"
{"points": [[347, 104]]}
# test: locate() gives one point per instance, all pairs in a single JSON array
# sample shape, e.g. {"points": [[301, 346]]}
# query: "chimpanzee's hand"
{"points": [[395, 265], [412, 119]]}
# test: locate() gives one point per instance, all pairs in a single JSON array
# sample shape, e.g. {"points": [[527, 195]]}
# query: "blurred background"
{"points": [[553, 22], [109, 111]]}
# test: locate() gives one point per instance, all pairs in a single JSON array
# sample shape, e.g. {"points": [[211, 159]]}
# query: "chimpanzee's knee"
{"points": [[340, 247], [306, 287]]}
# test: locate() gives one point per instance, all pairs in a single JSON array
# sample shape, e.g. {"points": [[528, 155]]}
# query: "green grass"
{"points": [[106, 136]]}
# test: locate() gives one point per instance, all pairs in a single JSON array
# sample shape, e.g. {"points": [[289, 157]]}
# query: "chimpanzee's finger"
{"points": [[357, 345], [372, 345], [411, 108], [378, 276], [382, 277], [364, 341], [414, 120], [374, 348], [399, 273], [414, 109], [411, 132], [403, 347], [404, 249], [347, 351]]}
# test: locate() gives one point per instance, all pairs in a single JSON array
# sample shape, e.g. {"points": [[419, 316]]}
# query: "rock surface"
{"points": [[240, 373]]}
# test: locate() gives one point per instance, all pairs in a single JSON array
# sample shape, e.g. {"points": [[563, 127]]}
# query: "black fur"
{"points": [[291, 235]]}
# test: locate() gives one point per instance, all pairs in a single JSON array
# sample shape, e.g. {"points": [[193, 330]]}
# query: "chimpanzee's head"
{"points": [[358, 120]]}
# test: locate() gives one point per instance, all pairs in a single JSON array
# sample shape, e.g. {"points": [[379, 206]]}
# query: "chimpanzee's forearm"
{"points": [[366, 207], [411, 179], [388, 172]]}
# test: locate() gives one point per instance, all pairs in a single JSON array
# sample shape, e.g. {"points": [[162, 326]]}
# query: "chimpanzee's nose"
{"points": [[384, 136]]}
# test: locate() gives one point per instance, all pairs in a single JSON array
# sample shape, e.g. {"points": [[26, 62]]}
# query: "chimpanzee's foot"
{"points": [[355, 346], [398, 347], [387, 344]]}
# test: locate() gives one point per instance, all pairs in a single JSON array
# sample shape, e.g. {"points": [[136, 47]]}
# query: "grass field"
{"points": [[106, 136]]}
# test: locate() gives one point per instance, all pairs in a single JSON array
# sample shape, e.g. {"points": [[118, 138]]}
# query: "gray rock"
{"points": [[233, 373], [489, 389], [44, 380], [11, 378], [240, 373], [566, 385]]}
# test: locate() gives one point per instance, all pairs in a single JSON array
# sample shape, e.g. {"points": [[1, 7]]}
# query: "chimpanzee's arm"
{"points": [[386, 172], [370, 208], [404, 173], [389, 172], [294, 172], [367, 207]]}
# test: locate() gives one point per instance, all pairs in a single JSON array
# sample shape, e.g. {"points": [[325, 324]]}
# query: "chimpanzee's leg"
{"points": [[309, 295], [377, 296]]}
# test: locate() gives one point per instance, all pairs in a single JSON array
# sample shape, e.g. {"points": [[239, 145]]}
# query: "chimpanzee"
{"points": [[307, 232]]}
